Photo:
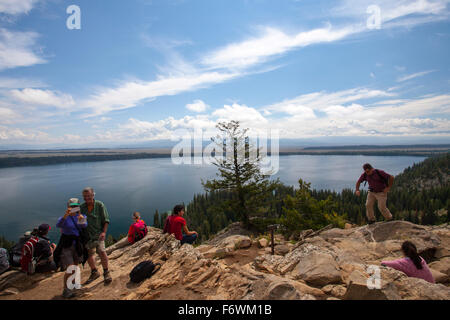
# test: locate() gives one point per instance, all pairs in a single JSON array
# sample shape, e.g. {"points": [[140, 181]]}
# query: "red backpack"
{"points": [[140, 230], [28, 260]]}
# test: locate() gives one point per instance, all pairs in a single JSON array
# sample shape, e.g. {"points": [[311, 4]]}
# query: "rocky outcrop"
{"points": [[328, 264]]}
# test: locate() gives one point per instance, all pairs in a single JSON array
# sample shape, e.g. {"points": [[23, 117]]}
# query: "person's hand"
{"points": [[80, 216], [386, 190], [67, 213], [358, 193], [53, 246], [102, 236]]}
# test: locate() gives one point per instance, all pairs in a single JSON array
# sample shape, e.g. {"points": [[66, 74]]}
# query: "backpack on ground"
{"points": [[4, 260], [140, 231], [144, 270]]}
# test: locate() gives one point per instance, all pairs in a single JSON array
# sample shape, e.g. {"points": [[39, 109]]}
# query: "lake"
{"points": [[34, 195]]}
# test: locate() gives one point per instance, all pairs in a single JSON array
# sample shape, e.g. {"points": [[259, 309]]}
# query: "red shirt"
{"points": [[376, 180], [176, 225]]}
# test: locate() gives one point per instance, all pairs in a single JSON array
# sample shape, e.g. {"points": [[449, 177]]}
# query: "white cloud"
{"points": [[414, 75], [18, 83], [306, 103], [14, 7], [132, 93], [272, 42], [43, 97], [197, 106], [399, 13], [16, 49], [244, 114]]}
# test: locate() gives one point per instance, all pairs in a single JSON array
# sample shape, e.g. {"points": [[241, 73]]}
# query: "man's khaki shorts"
{"points": [[94, 246]]}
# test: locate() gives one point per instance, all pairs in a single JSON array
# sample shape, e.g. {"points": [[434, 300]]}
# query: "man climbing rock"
{"points": [[379, 185]]}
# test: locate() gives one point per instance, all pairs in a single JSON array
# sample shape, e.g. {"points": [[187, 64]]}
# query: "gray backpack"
{"points": [[4, 260]]}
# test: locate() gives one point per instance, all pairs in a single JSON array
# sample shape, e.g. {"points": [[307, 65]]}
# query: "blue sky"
{"points": [[139, 70]]}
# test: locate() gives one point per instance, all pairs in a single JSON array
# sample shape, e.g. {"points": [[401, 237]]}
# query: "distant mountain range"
{"points": [[284, 143]]}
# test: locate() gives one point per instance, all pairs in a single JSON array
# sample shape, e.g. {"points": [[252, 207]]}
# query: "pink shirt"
{"points": [[407, 266]]}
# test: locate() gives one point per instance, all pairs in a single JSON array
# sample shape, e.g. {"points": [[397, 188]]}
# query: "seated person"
{"points": [[412, 265], [138, 229], [39, 247], [16, 250], [175, 224]]}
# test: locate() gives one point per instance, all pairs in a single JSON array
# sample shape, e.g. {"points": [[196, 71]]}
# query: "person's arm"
{"points": [[390, 180], [395, 264], [105, 219], [62, 220], [358, 183], [131, 234], [187, 232], [103, 234]]}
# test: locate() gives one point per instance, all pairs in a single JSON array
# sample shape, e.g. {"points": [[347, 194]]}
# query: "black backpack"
{"points": [[143, 270]]}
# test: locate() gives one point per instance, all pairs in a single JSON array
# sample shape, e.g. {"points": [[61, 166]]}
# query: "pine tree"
{"points": [[240, 172], [156, 221]]}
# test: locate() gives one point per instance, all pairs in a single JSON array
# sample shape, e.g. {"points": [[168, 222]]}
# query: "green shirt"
{"points": [[96, 219]]}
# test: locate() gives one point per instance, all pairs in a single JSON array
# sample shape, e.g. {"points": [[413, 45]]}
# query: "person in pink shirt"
{"points": [[412, 265]]}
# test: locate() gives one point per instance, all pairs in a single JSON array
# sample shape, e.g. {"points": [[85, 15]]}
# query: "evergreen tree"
{"points": [[156, 221], [239, 172]]}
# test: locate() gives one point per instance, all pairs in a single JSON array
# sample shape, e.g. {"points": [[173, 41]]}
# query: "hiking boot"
{"points": [[107, 277], [94, 275], [67, 294]]}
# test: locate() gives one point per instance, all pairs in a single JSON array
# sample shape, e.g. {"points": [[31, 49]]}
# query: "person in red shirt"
{"points": [[138, 229], [176, 224], [380, 184]]}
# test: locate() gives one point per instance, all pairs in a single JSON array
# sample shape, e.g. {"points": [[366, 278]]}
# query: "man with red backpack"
{"points": [[138, 230], [37, 252], [379, 185]]}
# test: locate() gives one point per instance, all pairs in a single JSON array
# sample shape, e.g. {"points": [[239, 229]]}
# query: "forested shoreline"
{"points": [[416, 150], [421, 194]]}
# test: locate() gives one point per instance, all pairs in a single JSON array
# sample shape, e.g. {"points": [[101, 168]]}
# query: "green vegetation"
{"points": [[240, 173], [5, 243], [421, 194], [156, 221]]}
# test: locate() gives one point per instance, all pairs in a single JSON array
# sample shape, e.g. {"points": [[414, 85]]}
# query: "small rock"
{"points": [[347, 226], [262, 243], [282, 291], [443, 265], [439, 277], [281, 249], [317, 268]]}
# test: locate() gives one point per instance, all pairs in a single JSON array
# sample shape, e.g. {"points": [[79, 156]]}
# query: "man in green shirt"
{"points": [[98, 221]]}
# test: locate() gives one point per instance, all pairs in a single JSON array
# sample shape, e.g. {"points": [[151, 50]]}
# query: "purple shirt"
{"points": [[69, 225], [406, 265], [375, 180]]}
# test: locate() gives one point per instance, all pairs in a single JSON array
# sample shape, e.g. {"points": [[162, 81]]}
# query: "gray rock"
{"points": [[317, 268]]}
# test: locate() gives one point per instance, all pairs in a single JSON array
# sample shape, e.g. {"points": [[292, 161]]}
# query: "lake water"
{"points": [[33, 195]]}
